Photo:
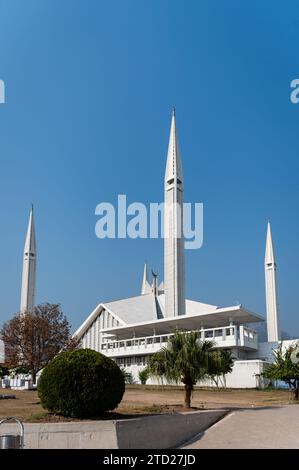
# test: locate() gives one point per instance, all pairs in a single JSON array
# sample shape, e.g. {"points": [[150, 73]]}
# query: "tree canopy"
{"points": [[286, 368], [186, 359], [33, 339]]}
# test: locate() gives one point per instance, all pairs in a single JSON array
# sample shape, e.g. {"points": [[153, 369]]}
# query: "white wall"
{"points": [[245, 374], [92, 338], [2, 354], [265, 350]]}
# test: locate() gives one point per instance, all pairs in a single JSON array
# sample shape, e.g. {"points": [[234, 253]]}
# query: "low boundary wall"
{"points": [[150, 432]]}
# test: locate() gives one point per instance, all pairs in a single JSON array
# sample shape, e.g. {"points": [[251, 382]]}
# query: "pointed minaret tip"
{"points": [[173, 163], [145, 286], [30, 243], [269, 254]]}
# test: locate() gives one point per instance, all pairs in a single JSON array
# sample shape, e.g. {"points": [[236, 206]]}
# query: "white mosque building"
{"points": [[130, 330]]}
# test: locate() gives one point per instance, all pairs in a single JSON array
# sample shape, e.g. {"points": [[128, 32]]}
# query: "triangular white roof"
{"points": [[141, 309]]}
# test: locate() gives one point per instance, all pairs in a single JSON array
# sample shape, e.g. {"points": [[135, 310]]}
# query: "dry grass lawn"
{"points": [[140, 399]]}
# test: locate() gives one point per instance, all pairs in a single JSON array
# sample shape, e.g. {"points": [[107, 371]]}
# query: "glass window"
{"points": [[218, 333]]}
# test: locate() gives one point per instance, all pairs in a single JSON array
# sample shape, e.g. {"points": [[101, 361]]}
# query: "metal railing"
{"points": [[12, 441]]}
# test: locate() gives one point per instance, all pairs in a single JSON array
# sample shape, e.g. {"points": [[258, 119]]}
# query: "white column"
{"points": [[29, 269], [174, 272], [271, 290]]}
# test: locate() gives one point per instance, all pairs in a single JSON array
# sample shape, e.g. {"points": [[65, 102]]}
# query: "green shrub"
{"points": [[81, 383], [143, 376]]}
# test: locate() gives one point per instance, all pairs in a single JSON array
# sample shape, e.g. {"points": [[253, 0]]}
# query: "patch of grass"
{"points": [[37, 417], [154, 409], [146, 400]]}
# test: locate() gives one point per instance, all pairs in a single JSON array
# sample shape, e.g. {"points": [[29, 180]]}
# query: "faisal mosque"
{"points": [[130, 330]]}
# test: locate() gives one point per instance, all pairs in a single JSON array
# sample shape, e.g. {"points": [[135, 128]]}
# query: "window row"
{"points": [[132, 360]]}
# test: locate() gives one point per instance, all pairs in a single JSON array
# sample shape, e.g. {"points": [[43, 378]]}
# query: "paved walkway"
{"points": [[274, 428]]}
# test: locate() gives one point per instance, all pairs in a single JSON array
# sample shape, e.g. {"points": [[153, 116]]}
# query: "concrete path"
{"points": [[266, 428]]}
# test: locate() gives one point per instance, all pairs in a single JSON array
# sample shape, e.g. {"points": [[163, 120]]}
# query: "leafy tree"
{"points": [[18, 371], [186, 359], [222, 365], [286, 368], [33, 339], [143, 375]]}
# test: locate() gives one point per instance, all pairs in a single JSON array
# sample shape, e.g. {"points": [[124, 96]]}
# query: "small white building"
{"points": [[131, 330]]}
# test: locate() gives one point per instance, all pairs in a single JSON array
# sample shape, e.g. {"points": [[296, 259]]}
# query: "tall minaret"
{"points": [[174, 269], [271, 290], [29, 266]]}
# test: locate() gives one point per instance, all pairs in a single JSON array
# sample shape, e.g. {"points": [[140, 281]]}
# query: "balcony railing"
{"points": [[226, 337]]}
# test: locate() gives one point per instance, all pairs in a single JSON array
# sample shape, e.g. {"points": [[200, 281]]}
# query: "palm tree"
{"points": [[223, 364], [186, 359], [143, 376], [128, 377]]}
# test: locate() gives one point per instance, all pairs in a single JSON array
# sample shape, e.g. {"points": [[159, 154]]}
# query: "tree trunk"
{"points": [[33, 376], [295, 393], [188, 393]]}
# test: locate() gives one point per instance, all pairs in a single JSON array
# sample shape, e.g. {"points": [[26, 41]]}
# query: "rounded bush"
{"points": [[81, 383]]}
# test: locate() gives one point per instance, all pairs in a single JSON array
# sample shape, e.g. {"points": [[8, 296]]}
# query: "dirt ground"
{"points": [[148, 400]]}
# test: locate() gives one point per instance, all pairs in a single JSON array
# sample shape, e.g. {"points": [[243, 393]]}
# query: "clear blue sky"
{"points": [[89, 90]]}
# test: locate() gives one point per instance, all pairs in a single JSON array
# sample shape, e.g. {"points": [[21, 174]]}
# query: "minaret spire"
{"points": [[29, 268], [173, 164], [174, 269], [145, 287], [271, 289]]}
